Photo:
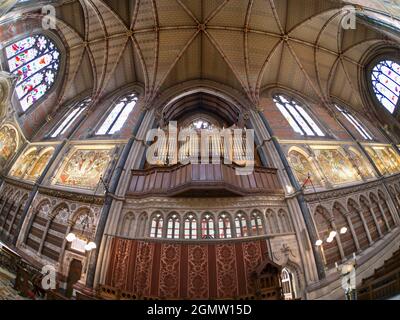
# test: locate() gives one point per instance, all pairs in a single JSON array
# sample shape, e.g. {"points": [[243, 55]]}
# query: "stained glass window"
{"points": [[207, 227], [241, 226], [256, 224], [118, 115], [70, 117], [224, 227], [173, 227], [297, 117], [156, 227], [356, 124], [386, 83], [36, 62], [190, 227]]}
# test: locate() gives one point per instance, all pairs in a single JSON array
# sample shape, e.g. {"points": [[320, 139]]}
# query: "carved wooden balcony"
{"points": [[203, 180]]}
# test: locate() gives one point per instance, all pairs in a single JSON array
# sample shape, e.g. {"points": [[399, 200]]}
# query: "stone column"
{"points": [[376, 222], [366, 228], [338, 241], [46, 230], [353, 233], [384, 215]]}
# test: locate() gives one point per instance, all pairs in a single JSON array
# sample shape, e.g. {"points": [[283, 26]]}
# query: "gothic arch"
{"points": [[358, 222], [386, 209], [369, 219], [379, 215], [346, 239], [330, 250], [127, 225]]}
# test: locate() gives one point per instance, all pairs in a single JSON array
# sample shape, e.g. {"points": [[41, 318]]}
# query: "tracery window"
{"points": [[207, 227], [173, 227], [356, 124], [156, 226], [256, 224], [70, 117], [385, 77], [201, 124], [190, 227], [224, 227], [35, 60], [298, 118], [241, 226], [118, 115]]}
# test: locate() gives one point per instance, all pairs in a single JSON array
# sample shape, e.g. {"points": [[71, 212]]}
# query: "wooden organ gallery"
{"points": [[242, 149]]}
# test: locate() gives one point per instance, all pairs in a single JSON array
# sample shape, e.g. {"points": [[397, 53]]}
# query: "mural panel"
{"points": [[84, 168], [8, 143], [385, 158], [32, 163], [362, 164], [336, 167], [302, 168]]}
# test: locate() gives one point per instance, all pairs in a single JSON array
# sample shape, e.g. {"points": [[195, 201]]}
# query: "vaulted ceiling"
{"points": [[248, 45]]}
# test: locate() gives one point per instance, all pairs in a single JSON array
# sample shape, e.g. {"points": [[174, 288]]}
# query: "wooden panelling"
{"points": [[171, 270], [182, 178]]}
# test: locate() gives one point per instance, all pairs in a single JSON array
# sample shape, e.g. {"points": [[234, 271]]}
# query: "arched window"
{"points": [[201, 124], [117, 117], [241, 226], [356, 124], [190, 227], [385, 77], [256, 224], [297, 117], [224, 227], [207, 227], [173, 227], [36, 61], [70, 117], [156, 226], [288, 286]]}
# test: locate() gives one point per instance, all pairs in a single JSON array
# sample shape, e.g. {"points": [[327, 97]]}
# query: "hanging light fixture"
{"points": [[329, 240], [318, 242], [332, 234], [92, 245], [70, 237], [343, 230]]}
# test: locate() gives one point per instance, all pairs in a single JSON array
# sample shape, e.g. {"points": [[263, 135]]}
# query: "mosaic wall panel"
{"points": [[179, 271], [385, 158], [84, 168], [336, 167], [302, 168], [32, 163], [8, 143]]}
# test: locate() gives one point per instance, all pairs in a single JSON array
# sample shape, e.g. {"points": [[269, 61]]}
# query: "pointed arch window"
{"points": [[70, 118], [173, 227], [118, 115], [297, 116], [35, 60], [224, 227], [156, 226], [207, 227], [256, 224], [190, 227], [241, 226], [385, 77], [356, 124]]}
